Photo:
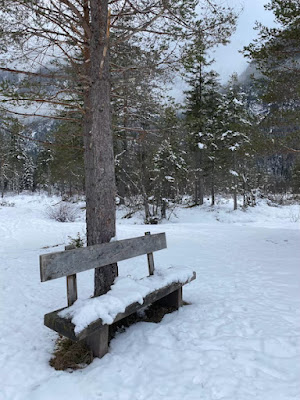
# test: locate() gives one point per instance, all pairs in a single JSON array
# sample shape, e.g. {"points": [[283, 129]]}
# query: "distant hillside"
{"points": [[251, 70]]}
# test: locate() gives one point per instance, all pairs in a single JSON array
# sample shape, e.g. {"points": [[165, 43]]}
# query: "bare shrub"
{"points": [[5, 203], [64, 212]]}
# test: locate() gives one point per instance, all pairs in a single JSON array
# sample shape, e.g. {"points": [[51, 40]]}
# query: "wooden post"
{"points": [[98, 341], [173, 299], [150, 259], [71, 283]]}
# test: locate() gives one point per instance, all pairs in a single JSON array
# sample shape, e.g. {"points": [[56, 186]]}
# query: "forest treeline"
{"points": [[241, 138]]}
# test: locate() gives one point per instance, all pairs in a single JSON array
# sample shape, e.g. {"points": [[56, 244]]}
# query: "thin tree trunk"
{"points": [[200, 178], [196, 192], [234, 196], [234, 193], [98, 142], [144, 179], [70, 188], [146, 204], [245, 202], [213, 184], [121, 191], [201, 188], [164, 209], [199, 182], [48, 180], [234, 184], [2, 178], [122, 185]]}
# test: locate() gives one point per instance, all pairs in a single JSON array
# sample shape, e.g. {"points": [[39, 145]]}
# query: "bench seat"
{"points": [[166, 295]]}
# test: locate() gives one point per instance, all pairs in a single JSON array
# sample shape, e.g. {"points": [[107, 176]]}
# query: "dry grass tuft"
{"points": [[70, 355]]}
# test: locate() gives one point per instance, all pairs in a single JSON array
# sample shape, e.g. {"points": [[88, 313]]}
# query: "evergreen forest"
{"points": [[239, 139]]}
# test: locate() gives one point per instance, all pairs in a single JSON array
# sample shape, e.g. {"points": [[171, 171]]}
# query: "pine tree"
{"points": [[28, 173], [203, 118], [276, 55], [237, 137], [296, 177], [67, 165], [15, 157], [4, 162], [169, 164], [42, 176], [210, 138]]}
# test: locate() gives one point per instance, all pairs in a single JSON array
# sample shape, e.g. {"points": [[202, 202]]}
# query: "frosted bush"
{"points": [[64, 212]]}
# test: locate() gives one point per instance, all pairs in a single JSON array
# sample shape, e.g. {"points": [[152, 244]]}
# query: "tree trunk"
{"points": [[164, 209], [196, 192], [146, 204], [144, 182], [199, 181], [234, 196], [235, 182], [122, 185], [245, 201], [48, 180], [200, 177], [201, 188], [122, 188], [2, 178], [213, 184], [98, 142]]}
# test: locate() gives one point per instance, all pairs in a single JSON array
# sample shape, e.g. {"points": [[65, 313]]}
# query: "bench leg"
{"points": [[173, 299], [98, 342]]}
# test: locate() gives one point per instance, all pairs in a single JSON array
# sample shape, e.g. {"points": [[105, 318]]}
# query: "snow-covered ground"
{"points": [[239, 339]]}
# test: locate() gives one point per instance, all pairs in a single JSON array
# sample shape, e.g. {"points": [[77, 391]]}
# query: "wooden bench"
{"points": [[68, 263]]}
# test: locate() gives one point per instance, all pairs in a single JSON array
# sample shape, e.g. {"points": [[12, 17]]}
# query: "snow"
{"points": [[237, 339], [238, 102], [124, 292], [234, 147], [169, 178], [201, 146]]}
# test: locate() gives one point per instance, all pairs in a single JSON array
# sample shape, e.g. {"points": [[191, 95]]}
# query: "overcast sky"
{"points": [[228, 59]]}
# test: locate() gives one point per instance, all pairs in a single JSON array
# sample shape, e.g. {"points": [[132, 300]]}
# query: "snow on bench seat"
{"points": [[126, 296]]}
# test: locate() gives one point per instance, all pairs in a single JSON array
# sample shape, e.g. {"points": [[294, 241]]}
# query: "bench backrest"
{"points": [[66, 263]]}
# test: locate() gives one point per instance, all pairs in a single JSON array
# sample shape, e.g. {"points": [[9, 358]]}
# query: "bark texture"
{"points": [[98, 141]]}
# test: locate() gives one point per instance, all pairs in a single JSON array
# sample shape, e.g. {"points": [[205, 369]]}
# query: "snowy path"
{"points": [[237, 340]]}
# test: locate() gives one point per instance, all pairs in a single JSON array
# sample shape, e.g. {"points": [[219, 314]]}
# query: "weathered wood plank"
{"points": [[60, 325], [66, 328], [71, 282], [150, 259], [57, 265]]}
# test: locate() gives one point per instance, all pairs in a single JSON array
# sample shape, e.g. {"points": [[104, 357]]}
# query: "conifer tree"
{"points": [[28, 172], [169, 164], [276, 55], [42, 176], [203, 118], [237, 136]]}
